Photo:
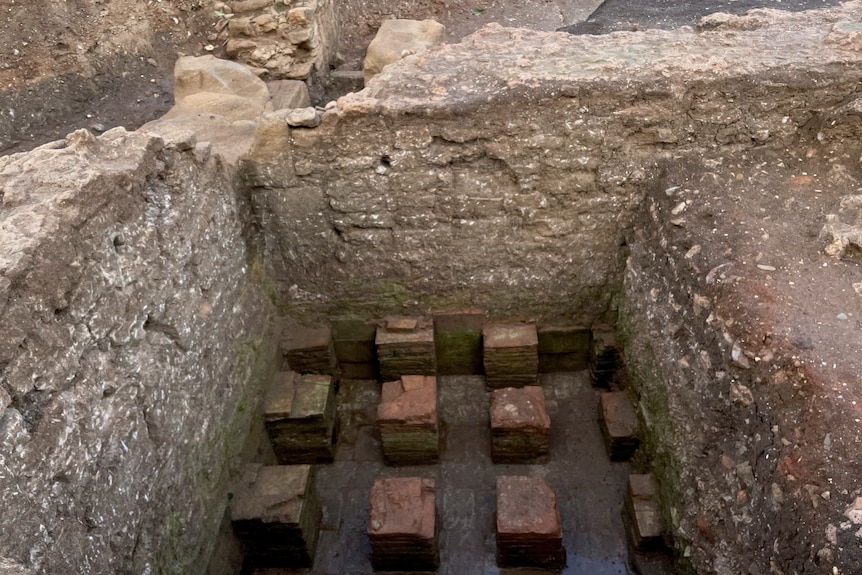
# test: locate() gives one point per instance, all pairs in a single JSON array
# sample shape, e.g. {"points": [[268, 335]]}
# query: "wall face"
{"points": [[503, 171], [131, 347]]}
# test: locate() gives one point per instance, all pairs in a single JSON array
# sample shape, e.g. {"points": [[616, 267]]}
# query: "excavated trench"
{"points": [[697, 189]]}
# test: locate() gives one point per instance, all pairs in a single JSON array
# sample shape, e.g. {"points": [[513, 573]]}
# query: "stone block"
{"points": [[289, 94], [520, 425], [405, 346], [208, 74], [397, 37], [299, 415], [308, 349], [619, 423], [510, 354], [605, 358], [407, 419], [563, 348], [528, 524], [402, 525], [276, 514], [458, 341], [641, 513]]}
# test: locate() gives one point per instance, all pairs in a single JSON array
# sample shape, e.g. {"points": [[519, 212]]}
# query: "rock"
{"points": [[299, 415], [303, 118], [308, 349], [402, 525], [854, 512], [511, 356], [276, 514], [520, 426], [619, 423], [233, 108], [528, 524], [397, 37], [195, 75], [409, 352], [458, 341], [407, 419], [289, 94]]}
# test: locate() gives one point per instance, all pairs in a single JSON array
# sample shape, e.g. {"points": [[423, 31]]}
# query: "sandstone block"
{"points": [[289, 94], [604, 355], [619, 423], [405, 346], [641, 513], [308, 349], [511, 357], [458, 341], [528, 524], [198, 74], [402, 525], [563, 348], [520, 426], [407, 419], [299, 415], [276, 514], [397, 37]]}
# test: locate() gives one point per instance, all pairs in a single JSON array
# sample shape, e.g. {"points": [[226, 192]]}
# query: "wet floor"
{"points": [[588, 486]]}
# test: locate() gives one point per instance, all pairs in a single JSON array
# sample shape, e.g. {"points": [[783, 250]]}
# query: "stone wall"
{"points": [[503, 171], [132, 346]]}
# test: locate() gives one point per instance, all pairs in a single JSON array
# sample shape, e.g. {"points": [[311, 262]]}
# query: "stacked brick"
{"points": [[407, 419], [563, 348], [402, 525], [308, 349], [520, 426], [353, 343], [299, 414], [458, 342], [618, 421], [511, 356], [276, 514], [641, 513], [528, 524], [405, 346]]}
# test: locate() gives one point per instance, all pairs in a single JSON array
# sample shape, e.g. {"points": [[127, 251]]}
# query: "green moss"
{"points": [[260, 278]]}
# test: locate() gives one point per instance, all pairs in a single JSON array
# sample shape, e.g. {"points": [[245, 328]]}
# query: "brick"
{"points": [[520, 425], [619, 423], [407, 419], [605, 358], [642, 513], [299, 416], [511, 356], [402, 351], [402, 524], [276, 514], [308, 349], [528, 524]]}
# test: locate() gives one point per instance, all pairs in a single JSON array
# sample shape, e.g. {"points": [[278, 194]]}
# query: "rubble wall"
{"points": [[503, 171], [132, 346]]}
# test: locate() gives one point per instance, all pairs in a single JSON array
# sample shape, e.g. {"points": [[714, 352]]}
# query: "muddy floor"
{"points": [[588, 486]]}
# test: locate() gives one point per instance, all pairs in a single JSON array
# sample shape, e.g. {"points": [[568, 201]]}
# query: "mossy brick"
{"points": [[352, 329], [561, 339], [458, 341]]}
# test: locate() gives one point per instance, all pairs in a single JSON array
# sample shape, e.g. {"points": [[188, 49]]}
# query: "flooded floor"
{"points": [[588, 486]]}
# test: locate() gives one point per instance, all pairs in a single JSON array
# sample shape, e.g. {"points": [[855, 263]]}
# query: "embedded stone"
{"points": [[308, 349], [289, 94]]}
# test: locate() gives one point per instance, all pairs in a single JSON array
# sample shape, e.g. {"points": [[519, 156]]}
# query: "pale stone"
{"points": [[193, 75], [395, 38], [289, 94]]}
